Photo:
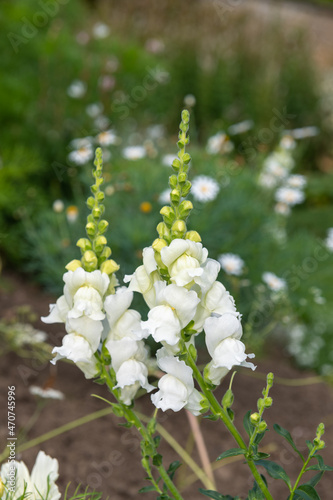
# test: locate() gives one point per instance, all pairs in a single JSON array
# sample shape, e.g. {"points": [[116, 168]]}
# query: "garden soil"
{"points": [[106, 456]]}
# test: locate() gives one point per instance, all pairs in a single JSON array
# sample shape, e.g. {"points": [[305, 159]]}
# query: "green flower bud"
{"points": [[268, 402], [182, 177], [320, 430], [173, 181], [270, 379], [100, 243], [186, 158], [185, 116], [84, 244], [158, 244], [176, 164], [168, 214], [73, 265], [186, 188], [255, 418], [105, 253], [178, 228], [185, 208], [89, 261], [91, 202], [163, 230], [193, 236], [109, 267], [175, 195], [260, 403], [91, 228], [103, 225], [97, 212], [262, 426], [228, 399], [100, 196]]}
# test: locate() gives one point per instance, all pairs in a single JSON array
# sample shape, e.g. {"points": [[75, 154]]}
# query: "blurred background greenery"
{"points": [[75, 70]]}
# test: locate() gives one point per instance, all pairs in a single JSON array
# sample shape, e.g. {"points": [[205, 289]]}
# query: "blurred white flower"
{"points": [[72, 214], [287, 142], [39, 485], [176, 388], [296, 181], [204, 188], [82, 155], [107, 82], [168, 159], [95, 109], [58, 206], [241, 127], [273, 282], [231, 263], [156, 132], [77, 89], [47, 393], [101, 122], [189, 101], [219, 143], [100, 30], [289, 196], [81, 142], [164, 197], [107, 138], [304, 132], [112, 64], [282, 209], [134, 152], [329, 239]]}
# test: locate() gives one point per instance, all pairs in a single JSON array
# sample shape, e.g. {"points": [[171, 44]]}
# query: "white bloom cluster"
{"points": [[83, 149], [92, 315], [40, 484], [194, 297], [276, 175]]}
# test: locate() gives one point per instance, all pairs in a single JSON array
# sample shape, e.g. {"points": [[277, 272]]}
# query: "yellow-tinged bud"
{"points": [[182, 177], [166, 211], [185, 116], [73, 265], [185, 208], [100, 243], [91, 228], [109, 266], [89, 260], [193, 236], [175, 195], [163, 230], [262, 426], [173, 181], [106, 252], [103, 225], [84, 244], [158, 244], [255, 418], [97, 212], [178, 228]]}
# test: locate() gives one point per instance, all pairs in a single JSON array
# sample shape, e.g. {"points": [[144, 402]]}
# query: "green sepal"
{"points": [[228, 399], [117, 410], [212, 417], [128, 425], [151, 427]]}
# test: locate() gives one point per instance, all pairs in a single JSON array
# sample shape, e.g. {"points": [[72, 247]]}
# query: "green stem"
{"points": [[292, 493], [223, 415]]}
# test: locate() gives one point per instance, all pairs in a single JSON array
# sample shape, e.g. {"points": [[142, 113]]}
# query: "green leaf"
{"points": [[275, 470], [306, 492], [286, 435], [261, 455], [173, 467], [157, 459], [256, 493], [212, 417], [315, 479], [216, 495], [231, 453], [259, 437], [320, 467], [247, 423], [146, 489]]}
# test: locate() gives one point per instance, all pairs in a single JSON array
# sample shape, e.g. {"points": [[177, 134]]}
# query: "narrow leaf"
{"points": [[275, 470], [215, 495], [146, 489], [231, 453], [320, 467], [286, 435], [247, 423], [315, 479]]}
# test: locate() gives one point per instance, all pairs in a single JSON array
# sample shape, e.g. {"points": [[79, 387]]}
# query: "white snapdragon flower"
{"points": [[41, 482], [129, 359], [184, 259], [176, 307], [273, 282], [223, 333], [176, 388], [145, 277], [231, 263], [217, 300]]}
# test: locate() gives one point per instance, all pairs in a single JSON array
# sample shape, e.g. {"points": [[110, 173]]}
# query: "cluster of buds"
{"points": [[265, 402]]}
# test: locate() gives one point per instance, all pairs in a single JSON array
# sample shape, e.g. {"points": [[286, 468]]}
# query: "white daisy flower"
{"points": [[82, 155], [273, 282], [100, 30], [296, 181], [289, 196], [82, 142], [189, 100], [288, 142], [47, 393], [77, 89], [241, 127], [156, 132], [95, 109], [164, 197], [204, 188], [219, 143], [267, 180], [231, 263], [107, 138], [58, 206], [134, 152], [168, 159]]}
